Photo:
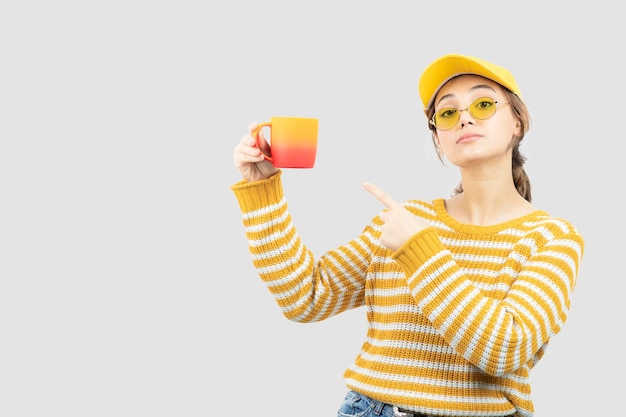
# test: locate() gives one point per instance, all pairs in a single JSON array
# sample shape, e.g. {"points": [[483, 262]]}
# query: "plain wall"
{"points": [[126, 285]]}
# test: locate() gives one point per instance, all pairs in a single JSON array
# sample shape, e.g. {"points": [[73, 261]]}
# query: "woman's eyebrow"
{"points": [[479, 86], [476, 87]]}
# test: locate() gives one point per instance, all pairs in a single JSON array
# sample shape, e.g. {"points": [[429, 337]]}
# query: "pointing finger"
{"points": [[381, 196]]}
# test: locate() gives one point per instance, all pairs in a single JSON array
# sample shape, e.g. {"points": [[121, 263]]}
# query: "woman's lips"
{"points": [[468, 137]]}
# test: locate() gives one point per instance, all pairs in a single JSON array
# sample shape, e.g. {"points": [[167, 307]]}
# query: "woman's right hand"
{"points": [[249, 159]]}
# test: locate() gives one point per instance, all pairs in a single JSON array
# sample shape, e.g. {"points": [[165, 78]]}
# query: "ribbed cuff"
{"points": [[418, 249], [253, 195]]}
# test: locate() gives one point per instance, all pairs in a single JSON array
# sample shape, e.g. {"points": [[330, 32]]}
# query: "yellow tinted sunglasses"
{"points": [[481, 109]]}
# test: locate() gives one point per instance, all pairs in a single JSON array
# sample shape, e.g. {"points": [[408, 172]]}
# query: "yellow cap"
{"points": [[451, 65]]}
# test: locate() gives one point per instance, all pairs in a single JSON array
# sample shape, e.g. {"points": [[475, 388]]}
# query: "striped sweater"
{"points": [[457, 316]]}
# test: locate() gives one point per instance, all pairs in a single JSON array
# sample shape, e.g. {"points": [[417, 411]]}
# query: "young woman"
{"points": [[463, 293]]}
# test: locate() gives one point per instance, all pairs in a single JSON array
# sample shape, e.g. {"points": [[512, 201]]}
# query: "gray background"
{"points": [[126, 288]]}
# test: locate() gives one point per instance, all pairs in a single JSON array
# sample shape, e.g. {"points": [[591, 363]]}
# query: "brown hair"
{"points": [[520, 178]]}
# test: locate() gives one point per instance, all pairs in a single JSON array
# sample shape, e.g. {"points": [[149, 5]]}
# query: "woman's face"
{"points": [[471, 140]]}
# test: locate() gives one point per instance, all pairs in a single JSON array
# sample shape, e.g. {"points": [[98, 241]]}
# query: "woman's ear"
{"points": [[518, 126]]}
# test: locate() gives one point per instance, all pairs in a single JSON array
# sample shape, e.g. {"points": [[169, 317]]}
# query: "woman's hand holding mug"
{"points": [[249, 157]]}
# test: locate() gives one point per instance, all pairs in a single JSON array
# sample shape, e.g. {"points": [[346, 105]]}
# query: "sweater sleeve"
{"points": [[498, 336], [306, 289]]}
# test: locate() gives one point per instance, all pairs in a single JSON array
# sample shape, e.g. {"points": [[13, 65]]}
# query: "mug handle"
{"points": [[255, 134]]}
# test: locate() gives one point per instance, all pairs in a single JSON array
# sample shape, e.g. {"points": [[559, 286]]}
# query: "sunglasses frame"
{"points": [[468, 109]]}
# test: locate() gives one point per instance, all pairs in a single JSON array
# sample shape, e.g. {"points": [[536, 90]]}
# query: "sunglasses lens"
{"points": [[445, 119], [483, 108]]}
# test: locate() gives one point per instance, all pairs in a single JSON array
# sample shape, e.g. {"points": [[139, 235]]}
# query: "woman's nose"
{"points": [[465, 117]]}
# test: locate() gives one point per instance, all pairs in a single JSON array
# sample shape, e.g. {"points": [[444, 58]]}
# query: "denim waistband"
{"points": [[384, 409]]}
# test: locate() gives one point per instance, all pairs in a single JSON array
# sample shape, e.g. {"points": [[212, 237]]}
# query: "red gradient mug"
{"points": [[292, 140]]}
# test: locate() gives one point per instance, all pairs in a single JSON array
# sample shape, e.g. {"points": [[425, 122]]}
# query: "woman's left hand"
{"points": [[399, 224]]}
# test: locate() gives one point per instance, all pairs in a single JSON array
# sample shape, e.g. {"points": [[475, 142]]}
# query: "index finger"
{"points": [[257, 137], [381, 196], [252, 127]]}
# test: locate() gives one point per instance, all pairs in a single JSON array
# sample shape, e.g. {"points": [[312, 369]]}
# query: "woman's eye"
{"points": [[484, 103], [445, 113]]}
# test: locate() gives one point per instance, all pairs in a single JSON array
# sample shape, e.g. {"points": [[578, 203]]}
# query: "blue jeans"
{"points": [[359, 405]]}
